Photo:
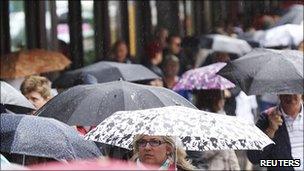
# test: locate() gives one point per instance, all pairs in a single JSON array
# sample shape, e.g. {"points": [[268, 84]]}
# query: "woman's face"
{"points": [[171, 68], [153, 150], [121, 52]]}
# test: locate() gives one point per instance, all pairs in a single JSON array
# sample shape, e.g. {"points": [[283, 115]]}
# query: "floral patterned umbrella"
{"points": [[204, 78], [198, 130]]}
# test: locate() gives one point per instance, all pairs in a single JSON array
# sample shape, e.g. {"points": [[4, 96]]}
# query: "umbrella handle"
{"points": [[23, 160]]}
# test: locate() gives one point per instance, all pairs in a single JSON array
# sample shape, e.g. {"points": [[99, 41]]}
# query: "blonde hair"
{"points": [[38, 84], [178, 152]]}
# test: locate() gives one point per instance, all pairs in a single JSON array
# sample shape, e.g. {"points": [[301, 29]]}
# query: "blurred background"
{"points": [[87, 29]]}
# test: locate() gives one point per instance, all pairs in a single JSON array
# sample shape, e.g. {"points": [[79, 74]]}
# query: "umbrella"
{"points": [[106, 72], [13, 100], [102, 164], [293, 16], [30, 62], [285, 35], [88, 105], [223, 43], [252, 37], [43, 137], [267, 71], [198, 130], [204, 78]]}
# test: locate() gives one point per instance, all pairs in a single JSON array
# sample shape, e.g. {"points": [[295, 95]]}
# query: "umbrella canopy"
{"points": [[43, 137], [30, 62], [223, 43], [13, 100], [106, 72], [267, 71], [198, 130], [285, 35], [103, 164], [293, 16], [88, 105], [204, 78]]}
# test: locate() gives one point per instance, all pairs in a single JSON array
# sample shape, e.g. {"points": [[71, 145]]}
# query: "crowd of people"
{"points": [[168, 56]]}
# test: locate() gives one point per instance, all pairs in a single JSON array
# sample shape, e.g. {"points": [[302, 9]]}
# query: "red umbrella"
{"points": [[101, 164]]}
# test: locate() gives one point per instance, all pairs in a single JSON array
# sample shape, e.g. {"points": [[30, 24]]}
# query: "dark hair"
{"points": [[209, 99], [117, 44], [152, 49], [172, 36]]}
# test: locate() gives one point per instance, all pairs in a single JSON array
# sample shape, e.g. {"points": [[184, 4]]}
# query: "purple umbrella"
{"points": [[204, 78]]}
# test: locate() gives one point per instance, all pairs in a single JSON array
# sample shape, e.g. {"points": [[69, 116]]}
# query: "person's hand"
{"points": [[227, 93], [275, 121]]}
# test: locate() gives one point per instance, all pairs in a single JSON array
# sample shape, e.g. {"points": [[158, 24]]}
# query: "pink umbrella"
{"points": [[99, 164], [204, 78]]}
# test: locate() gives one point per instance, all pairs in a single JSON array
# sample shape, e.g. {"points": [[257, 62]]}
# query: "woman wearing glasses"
{"points": [[160, 151]]}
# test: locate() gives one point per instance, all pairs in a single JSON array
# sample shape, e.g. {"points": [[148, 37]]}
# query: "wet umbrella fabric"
{"points": [[198, 130], [13, 100], [204, 78], [106, 72], [267, 71], [222, 43], [43, 137], [88, 105]]}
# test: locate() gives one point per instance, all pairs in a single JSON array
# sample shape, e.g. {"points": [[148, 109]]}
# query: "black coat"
{"points": [[280, 150]]}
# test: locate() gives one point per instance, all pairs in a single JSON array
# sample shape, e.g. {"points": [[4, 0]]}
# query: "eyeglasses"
{"points": [[153, 143]]}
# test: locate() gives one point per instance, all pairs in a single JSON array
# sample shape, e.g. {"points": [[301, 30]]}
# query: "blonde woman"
{"points": [[160, 151]]}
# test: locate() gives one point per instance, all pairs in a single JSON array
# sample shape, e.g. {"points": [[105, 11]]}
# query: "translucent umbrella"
{"points": [[13, 100]]}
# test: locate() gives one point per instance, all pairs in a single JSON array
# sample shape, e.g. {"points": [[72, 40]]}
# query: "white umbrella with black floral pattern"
{"points": [[198, 130]]}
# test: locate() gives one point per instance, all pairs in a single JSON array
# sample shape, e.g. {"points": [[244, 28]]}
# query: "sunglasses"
{"points": [[153, 143]]}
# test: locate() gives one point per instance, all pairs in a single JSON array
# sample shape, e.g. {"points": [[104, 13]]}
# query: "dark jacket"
{"points": [[280, 150]]}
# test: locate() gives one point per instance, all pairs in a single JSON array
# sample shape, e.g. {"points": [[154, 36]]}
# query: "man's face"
{"points": [[290, 99], [36, 99], [175, 45]]}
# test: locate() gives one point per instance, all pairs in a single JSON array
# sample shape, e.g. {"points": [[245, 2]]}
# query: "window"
{"points": [[88, 31], [17, 25]]}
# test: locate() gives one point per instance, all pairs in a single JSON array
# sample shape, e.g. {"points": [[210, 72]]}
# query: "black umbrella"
{"points": [[13, 100], [106, 72], [43, 137], [88, 105], [267, 71]]}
